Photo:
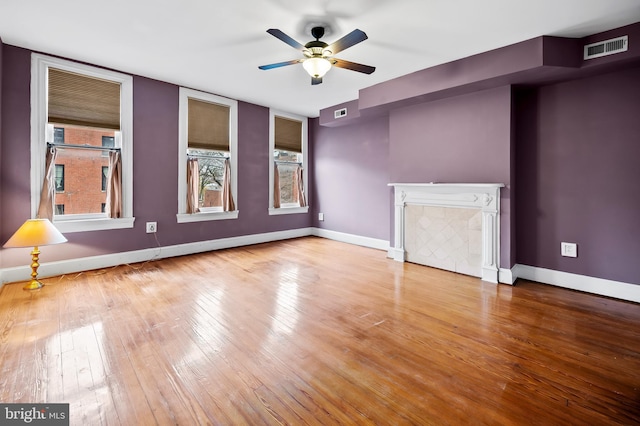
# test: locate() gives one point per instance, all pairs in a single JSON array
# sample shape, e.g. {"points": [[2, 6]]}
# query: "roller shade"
{"points": [[208, 125], [84, 101], [288, 134]]}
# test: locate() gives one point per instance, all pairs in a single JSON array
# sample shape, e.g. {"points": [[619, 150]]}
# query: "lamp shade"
{"points": [[316, 67], [34, 233]]}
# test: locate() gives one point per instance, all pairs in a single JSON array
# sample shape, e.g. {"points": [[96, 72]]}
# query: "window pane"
{"points": [[105, 175], [211, 168], [83, 171], [58, 135], [59, 179], [287, 162]]}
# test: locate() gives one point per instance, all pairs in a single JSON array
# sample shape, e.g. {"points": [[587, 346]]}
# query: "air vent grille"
{"points": [[339, 113], [607, 47]]}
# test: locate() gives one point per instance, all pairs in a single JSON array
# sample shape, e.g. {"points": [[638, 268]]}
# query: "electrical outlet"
{"points": [[152, 227], [569, 249], [320, 216]]}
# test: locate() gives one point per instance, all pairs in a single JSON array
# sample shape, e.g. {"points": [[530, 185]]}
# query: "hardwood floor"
{"points": [[313, 331]]}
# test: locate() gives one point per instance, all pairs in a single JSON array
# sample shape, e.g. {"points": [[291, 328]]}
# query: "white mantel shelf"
{"points": [[483, 196], [450, 185]]}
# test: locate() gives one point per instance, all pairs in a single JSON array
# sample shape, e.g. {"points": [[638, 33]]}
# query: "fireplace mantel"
{"points": [[483, 196]]}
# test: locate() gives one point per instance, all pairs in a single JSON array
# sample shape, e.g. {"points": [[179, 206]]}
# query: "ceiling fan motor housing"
{"points": [[317, 48], [317, 32]]}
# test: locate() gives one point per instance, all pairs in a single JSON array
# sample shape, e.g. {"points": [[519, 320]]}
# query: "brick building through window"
{"points": [[84, 189]]}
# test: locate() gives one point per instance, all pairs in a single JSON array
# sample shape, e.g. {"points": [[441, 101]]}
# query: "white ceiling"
{"points": [[217, 46]]}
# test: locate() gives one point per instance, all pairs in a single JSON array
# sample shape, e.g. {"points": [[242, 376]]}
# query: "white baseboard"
{"points": [[50, 269], [603, 287], [507, 276], [352, 239], [600, 286]]}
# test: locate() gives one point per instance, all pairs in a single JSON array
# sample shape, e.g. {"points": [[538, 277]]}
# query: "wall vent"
{"points": [[607, 47], [339, 113]]}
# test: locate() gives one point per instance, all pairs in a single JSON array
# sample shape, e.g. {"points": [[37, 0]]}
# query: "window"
{"points": [[86, 109], [209, 138], [108, 142], [105, 175], [58, 135], [288, 163], [59, 178]]}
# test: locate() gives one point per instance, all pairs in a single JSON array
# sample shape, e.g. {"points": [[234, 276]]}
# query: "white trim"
{"points": [[39, 74], [68, 226], [483, 196], [600, 286], [507, 276], [206, 216], [185, 94], [396, 254], [21, 273], [373, 243], [288, 210], [305, 145]]}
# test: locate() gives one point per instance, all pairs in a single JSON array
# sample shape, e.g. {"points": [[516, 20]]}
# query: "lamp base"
{"points": [[33, 285]]}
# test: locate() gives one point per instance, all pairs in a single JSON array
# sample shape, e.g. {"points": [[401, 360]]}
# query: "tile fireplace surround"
{"points": [[483, 197]]}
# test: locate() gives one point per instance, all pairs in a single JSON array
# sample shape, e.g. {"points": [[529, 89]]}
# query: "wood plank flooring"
{"points": [[313, 331]]}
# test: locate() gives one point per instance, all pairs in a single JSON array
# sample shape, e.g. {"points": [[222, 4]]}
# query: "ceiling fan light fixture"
{"points": [[316, 67]]}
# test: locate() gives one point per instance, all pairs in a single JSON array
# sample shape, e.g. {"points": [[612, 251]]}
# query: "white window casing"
{"points": [[41, 133], [304, 120], [183, 146]]}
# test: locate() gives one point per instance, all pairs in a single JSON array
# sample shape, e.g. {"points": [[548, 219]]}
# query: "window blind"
{"points": [[208, 126], [84, 101], [288, 134]]}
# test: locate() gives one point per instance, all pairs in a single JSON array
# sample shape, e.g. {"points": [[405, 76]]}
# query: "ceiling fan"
{"points": [[318, 55]]}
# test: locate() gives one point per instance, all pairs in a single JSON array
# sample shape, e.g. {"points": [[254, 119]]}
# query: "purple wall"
{"points": [[15, 140], [155, 172], [351, 177], [579, 177], [1, 101], [464, 139]]}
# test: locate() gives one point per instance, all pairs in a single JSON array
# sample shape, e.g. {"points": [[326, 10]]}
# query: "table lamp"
{"points": [[35, 233]]}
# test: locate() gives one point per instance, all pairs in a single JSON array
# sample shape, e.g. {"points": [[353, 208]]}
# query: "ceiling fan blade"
{"points": [[341, 63], [315, 80], [354, 37], [279, 64], [282, 36]]}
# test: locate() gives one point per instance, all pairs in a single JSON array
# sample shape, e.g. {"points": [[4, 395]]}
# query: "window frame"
{"points": [[41, 133], [305, 149], [59, 167], [183, 146], [54, 134]]}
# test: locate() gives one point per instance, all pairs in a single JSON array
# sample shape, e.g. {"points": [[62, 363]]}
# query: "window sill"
{"points": [[288, 210], [206, 216], [84, 225]]}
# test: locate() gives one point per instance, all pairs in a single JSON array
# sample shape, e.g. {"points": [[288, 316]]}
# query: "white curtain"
{"points": [[114, 186], [193, 185], [276, 186], [227, 197], [48, 192], [299, 187]]}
